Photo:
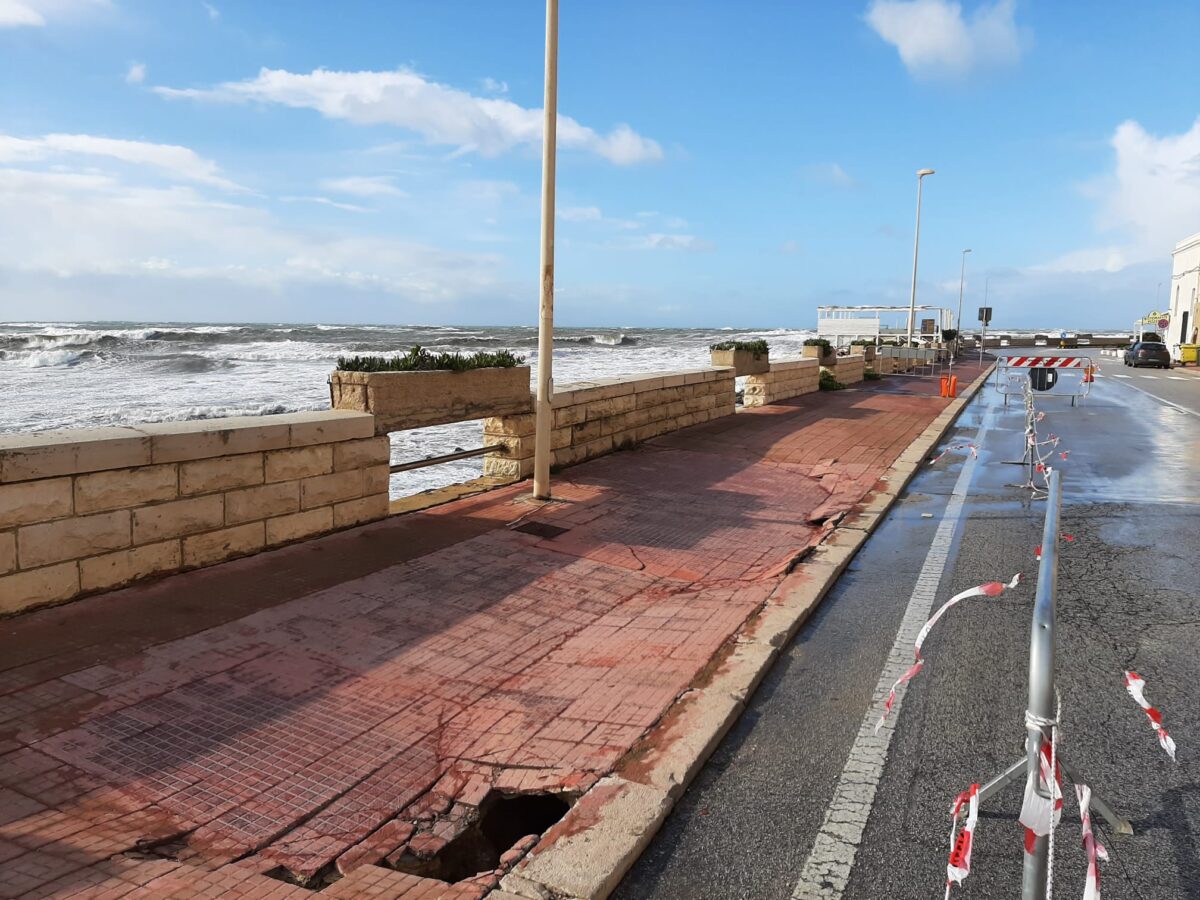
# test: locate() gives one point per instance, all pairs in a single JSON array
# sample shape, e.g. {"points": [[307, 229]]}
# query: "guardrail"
{"points": [[1060, 375], [447, 457]]}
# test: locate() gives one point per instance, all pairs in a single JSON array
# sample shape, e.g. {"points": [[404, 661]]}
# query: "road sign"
{"points": [[985, 315], [1163, 323]]}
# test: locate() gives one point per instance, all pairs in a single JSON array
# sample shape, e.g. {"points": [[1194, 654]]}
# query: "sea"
{"points": [[75, 374]]}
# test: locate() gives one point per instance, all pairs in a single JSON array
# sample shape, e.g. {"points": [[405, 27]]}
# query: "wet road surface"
{"points": [[1129, 597]]}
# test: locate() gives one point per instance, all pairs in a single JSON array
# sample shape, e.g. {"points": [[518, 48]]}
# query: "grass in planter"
{"points": [[871, 376], [757, 348], [827, 381], [418, 359]]}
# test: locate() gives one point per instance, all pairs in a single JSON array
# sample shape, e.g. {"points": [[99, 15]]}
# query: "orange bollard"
{"points": [[953, 386], [945, 387]]}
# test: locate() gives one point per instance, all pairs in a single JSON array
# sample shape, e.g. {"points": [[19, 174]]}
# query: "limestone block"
{"points": [[362, 453], [208, 476], [25, 502], [206, 438], [327, 426], [109, 570], [8, 551], [325, 490], [520, 425], [302, 462], [375, 479], [262, 501], [401, 400], [177, 518], [38, 586], [24, 457], [499, 467], [215, 546], [569, 415], [123, 488], [588, 431], [364, 509], [52, 542], [298, 526], [559, 438]]}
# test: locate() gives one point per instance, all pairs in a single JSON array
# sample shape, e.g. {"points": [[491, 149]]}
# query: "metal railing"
{"points": [[448, 457]]}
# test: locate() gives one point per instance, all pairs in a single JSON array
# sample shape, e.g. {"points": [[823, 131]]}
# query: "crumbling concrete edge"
{"points": [[585, 856]]}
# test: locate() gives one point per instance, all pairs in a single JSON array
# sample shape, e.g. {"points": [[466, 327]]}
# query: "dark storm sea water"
{"points": [[67, 374]]}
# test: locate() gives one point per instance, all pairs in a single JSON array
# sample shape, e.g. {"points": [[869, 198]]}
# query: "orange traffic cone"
{"points": [[945, 387]]}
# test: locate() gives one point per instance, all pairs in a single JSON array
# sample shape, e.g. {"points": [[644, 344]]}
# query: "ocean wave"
{"points": [[191, 363], [191, 413], [45, 359]]}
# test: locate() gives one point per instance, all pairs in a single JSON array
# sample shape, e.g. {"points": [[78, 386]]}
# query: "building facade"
{"points": [[1185, 294]]}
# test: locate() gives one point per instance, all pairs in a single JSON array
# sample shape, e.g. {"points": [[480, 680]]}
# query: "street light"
{"points": [[545, 382], [961, 276], [912, 303]]}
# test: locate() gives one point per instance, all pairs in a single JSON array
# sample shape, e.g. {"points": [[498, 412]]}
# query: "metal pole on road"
{"points": [[545, 381], [912, 303], [962, 275], [983, 337], [1041, 681]]}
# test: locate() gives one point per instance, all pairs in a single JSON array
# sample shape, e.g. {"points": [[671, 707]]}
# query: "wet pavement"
{"points": [[1129, 597]]}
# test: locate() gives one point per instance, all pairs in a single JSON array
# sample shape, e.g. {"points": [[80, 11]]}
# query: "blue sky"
{"points": [[719, 163]]}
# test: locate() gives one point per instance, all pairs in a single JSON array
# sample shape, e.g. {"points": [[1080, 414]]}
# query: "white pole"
{"points": [[545, 385], [912, 303], [962, 274]]}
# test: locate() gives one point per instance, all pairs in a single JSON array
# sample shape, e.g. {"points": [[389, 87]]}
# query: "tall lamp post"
{"points": [[912, 303], [962, 274], [545, 381]]}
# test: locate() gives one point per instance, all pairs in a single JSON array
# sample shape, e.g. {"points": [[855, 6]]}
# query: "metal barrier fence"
{"points": [[925, 362], [1048, 376], [1043, 762]]}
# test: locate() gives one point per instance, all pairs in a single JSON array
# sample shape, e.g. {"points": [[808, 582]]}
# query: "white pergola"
{"points": [[841, 324]]}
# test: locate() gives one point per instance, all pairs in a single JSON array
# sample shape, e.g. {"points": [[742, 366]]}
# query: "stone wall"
{"points": [[882, 365], [786, 379], [90, 509], [592, 418], [848, 370]]}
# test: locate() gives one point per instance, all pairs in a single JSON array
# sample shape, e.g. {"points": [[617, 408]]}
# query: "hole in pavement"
{"points": [[502, 822], [542, 529]]}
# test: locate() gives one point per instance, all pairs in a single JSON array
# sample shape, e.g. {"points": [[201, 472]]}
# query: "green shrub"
{"points": [[828, 382], [862, 343], [826, 347], [949, 334], [757, 348], [418, 359], [871, 376]]}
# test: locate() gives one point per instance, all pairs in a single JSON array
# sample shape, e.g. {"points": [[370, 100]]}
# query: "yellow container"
{"points": [[1187, 353]]}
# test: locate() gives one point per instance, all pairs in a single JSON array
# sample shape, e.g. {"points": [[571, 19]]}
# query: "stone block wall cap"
{"points": [[60, 436]]}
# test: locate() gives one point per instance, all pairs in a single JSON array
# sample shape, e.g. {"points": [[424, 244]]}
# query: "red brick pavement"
{"points": [[257, 729]]}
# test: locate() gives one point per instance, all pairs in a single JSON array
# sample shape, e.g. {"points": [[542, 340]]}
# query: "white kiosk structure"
{"points": [[842, 324]]}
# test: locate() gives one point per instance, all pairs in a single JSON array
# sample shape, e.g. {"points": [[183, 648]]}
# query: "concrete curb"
{"points": [[585, 856]]}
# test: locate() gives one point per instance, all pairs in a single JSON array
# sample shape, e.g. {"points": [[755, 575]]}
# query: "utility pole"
{"points": [[912, 302]]}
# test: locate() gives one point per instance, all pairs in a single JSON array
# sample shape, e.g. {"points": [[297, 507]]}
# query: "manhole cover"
{"points": [[541, 529]]}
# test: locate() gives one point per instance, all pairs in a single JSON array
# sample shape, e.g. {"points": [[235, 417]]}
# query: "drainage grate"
{"points": [[541, 529]]}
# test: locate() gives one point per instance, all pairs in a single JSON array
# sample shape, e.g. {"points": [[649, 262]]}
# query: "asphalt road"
{"points": [[1129, 596]]}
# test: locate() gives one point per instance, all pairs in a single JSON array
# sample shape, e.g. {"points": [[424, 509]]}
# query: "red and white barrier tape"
{"points": [[1136, 685], [1069, 538], [1040, 814], [959, 866], [991, 589], [1091, 846], [971, 447]]}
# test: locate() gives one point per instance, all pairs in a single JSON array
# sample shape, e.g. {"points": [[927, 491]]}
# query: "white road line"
{"points": [[827, 870], [1175, 378], [1151, 377], [1117, 375], [1182, 409]]}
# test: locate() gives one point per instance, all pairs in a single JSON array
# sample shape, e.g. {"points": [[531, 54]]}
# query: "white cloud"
{"points": [[831, 174], [492, 86], [364, 186], [326, 201], [1149, 202], [77, 225], [170, 159], [213, 12], [675, 242], [934, 40], [136, 73], [790, 248], [580, 214], [37, 13], [439, 113]]}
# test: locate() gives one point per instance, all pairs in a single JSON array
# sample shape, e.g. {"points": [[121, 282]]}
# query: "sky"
{"points": [[720, 164]]}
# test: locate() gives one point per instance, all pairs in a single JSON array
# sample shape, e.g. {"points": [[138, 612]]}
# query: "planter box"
{"points": [[402, 400], [827, 359], [867, 351], [742, 361]]}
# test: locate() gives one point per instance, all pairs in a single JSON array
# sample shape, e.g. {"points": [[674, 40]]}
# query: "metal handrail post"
{"points": [[1041, 681]]}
